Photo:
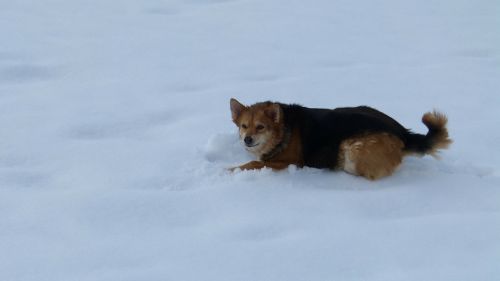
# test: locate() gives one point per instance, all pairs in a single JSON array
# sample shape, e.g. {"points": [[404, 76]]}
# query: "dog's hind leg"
{"points": [[372, 156]]}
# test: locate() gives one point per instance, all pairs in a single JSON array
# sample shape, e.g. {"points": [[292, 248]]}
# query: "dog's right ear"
{"points": [[236, 109]]}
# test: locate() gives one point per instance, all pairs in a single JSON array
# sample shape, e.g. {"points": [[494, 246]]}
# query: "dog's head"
{"points": [[260, 125]]}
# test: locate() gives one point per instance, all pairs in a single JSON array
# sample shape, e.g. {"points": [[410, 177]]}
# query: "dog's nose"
{"points": [[248, 140]]}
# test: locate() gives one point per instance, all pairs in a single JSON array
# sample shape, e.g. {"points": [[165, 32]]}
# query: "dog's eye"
{"points": [[244, 126], [259, 127]]}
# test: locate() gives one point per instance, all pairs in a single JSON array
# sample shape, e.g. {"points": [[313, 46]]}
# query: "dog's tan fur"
{"points": [[372, 156]]}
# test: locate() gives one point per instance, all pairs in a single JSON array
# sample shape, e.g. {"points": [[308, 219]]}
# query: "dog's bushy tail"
{"points": [[436, 138]]}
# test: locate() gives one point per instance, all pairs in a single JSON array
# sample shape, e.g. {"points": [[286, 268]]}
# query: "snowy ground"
{"points": [[115, 134]]}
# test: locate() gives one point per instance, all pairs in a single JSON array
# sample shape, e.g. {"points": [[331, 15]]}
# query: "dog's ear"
{"points": [[236, 109], [274, 112]]}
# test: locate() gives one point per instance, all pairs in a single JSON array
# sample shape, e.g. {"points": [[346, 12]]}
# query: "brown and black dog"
{"points": [[359, 140]]}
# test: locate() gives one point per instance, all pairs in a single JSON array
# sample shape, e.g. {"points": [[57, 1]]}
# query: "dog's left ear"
{"points": [[236, 109], [274, 112]]}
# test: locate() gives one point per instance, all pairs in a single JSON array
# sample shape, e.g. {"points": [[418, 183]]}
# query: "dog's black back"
{"points": [[323, 130]]}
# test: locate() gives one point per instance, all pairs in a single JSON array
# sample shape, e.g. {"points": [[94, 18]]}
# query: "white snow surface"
{"points": [[115, 136]]}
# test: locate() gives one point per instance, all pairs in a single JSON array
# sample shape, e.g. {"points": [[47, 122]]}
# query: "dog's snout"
{"points": [[248, 140]]}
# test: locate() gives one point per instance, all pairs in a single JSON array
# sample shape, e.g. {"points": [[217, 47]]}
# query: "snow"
{"points": [[115, 136]]}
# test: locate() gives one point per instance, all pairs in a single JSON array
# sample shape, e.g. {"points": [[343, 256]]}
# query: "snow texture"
{"points": [[115, 136]]}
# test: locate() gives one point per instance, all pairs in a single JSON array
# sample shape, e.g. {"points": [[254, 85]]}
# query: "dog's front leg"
{"points": [[252, 165], [255, 165], [276, 165]]}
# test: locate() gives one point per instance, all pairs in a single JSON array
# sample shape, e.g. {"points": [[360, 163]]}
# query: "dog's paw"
{"points": [[233, 169]]}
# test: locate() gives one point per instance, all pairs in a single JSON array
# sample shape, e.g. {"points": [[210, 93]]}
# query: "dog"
{"points": [[358, 140]]}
